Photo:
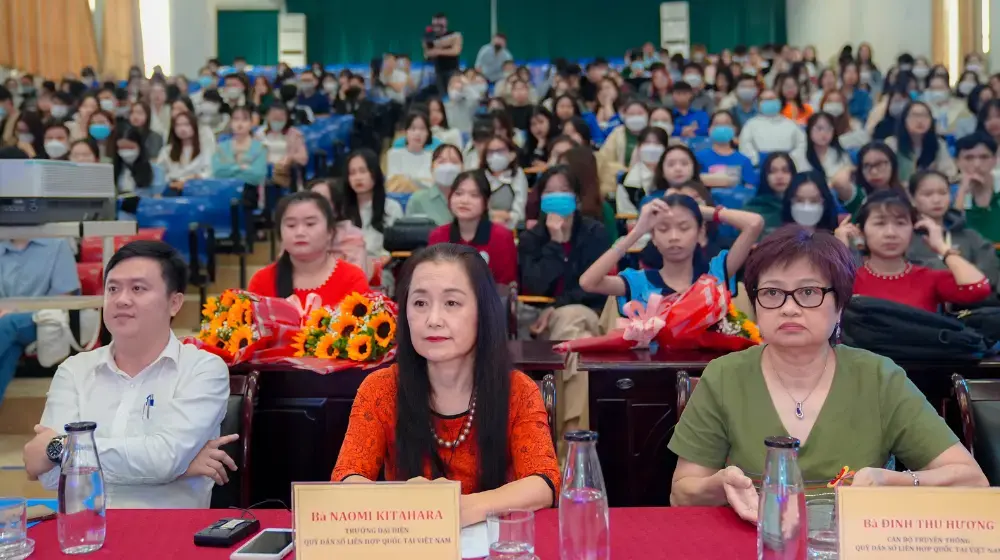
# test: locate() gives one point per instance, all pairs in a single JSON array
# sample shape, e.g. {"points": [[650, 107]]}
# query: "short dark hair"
{"points": [[974, 140], [501, 36], [791, 242], [5, 94], [440, 15], [694, 66], [683, 87], [173, 267]]}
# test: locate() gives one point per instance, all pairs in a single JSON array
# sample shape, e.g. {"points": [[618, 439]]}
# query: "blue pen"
{"points": [[148, 407]]}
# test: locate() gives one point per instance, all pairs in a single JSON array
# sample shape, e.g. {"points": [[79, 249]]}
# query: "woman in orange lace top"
{"points": [[453, 406]]}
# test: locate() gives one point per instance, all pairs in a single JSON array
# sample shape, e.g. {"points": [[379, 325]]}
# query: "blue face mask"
{"points": [[205, 81], [99, 131], [559, 203], [770, 107], [914, 94], [722, 133]]}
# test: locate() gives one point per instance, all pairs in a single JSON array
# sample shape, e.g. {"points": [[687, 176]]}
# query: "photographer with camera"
{"points": [[443, 47]]}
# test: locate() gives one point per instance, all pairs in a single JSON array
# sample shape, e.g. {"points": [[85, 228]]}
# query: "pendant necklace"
{"points": [[799, 411]]}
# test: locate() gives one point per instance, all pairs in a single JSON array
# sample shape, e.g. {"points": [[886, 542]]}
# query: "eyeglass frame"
{"points": [[786, 293]]}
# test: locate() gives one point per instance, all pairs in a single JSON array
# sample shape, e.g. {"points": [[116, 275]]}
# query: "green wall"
{"points": [[249, 33], [356, 32]]}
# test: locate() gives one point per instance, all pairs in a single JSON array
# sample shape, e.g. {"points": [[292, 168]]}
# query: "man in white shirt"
{"points": [[158, 404]]}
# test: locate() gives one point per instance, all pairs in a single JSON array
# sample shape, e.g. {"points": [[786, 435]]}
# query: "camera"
{"points": [[430, 35]]}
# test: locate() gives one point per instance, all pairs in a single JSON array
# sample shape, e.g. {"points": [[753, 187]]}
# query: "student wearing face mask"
{"points": [[461, 104], [492, 57], [770, 131], [107, 100], [508, 183], [850, 133], [921, 71], [742, 102], [183, 159], [214, 114], [917, 144], [61, 109], [701, 100], [775, 176], [57, 142], [310, 95], [722, 159], [887, 113], [809, 203], [285, 145], [432, 203], [31, 134], [946, 109], [101, 129], [234, 90], [931, 195], [133, 171], [639, 181], [968, 82], [616, 152], [688, 121], [207, 81]]}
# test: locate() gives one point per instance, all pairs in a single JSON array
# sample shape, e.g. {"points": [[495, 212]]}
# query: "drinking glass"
{"points": [[821, 512], [511, 534], [13, 526]]}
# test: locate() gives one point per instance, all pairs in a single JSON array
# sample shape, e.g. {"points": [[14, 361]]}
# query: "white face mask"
{"points": [[650, 153], [60, 111], [965, 88], [330, 87], [129, 156], [455, 93], [107, 105], [497, 162], [974, 67], [210, 109], [445, 173], [635, 123], [664, 125], [25, 137], [834, 108], [694, 80], [921, 72], [746, 94], [807, 214], [56, 149]]}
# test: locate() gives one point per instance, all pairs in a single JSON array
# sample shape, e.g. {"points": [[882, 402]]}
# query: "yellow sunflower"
{"points": [[384, 328], [325, 347], [211, 306], [235, 316], [355, 305], [210, 338], [752, 330], [247, 313], [228, 298], [316, 318], [299, 343], [732, 311], [359, 347], [344, 325], [215, 325], [241, 338]]}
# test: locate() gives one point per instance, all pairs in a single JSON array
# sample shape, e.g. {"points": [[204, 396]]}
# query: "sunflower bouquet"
{"points": [[227, 324], [738, 323], [361, 328]]}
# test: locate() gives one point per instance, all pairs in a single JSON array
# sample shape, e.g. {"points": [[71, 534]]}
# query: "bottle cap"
{"points": [[80, 427], [580, 435], [782, 442]]}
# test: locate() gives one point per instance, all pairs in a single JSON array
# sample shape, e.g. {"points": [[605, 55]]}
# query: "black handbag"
{"points": [[905, 333], [407, 234]]}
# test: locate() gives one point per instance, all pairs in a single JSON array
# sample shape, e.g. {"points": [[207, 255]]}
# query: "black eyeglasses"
{"points": [[808, 297]]}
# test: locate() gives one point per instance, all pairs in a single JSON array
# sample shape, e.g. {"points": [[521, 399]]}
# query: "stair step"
{"points": [[22, 406]]}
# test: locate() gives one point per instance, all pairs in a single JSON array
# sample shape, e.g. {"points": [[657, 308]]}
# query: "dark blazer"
{"points": [[544, 263]]}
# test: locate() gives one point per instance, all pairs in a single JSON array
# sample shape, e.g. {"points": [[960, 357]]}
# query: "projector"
{"points": [[40, 191]]}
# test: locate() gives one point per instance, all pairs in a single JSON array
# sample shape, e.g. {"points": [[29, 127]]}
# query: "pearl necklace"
{"points": [[462, 435]]}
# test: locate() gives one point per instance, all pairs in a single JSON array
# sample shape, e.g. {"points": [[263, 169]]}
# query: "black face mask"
{"points": [[497, 47], [353, 92]]}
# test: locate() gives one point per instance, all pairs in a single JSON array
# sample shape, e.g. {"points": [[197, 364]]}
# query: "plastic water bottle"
{"points": [[82, 521], [584, 527], [782, 528]]}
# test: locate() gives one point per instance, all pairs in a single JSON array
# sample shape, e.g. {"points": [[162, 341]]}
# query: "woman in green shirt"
{"points": [[847, 406], [775, 175]]}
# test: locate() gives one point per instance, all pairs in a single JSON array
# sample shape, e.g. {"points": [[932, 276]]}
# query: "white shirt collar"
{"points": [[172, 352]]}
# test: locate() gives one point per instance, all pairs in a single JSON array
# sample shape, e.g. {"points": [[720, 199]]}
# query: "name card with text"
{"points": [[917, 523], [376, 521]]}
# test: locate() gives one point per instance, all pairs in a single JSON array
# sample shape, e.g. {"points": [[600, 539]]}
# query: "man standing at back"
{"points": [[492, 56], [442, 46], [158, 403]]}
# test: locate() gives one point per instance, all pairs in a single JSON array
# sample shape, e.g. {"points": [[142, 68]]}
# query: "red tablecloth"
{"points": [[636, 533]]}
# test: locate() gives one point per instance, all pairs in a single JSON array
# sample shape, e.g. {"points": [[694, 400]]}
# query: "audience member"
{"points": [[139, 119], [809, 203], [306, 226], [348, 239], [462, 103], [859, 101], [183, 159], [310, 96], [241, 157], [440, 128], [409, 166], [508, 183], [134, 173], [878, 168], [823, 150], [946, 109], [492, 57], [977, 194], [743, 102], [285, 145], [84, 151], [790, 95], [31, 134], [770, 131], [849, 131], [688, 121], [676, 169], [722, 158], [8, 118], [917, 144], [776, 174], [366, 204], [101, 129], [160, 111], [639, 180], [57, 142], [542, 130], [433, 202]]}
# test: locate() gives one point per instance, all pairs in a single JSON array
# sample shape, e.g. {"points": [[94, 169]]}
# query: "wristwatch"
{"points": [[55, 448]]}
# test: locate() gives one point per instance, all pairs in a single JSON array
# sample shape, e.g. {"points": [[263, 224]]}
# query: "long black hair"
{"points": [[352, 210], [829, 219], [814, 120], [765, 188], [929, 146], [882, 148], [142, 170], [993, 105], [532, 143], [660, 178], [415, 444], [284, 286]]}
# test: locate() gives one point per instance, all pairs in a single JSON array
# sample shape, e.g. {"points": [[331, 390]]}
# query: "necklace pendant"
{"points": [[798, 411]]}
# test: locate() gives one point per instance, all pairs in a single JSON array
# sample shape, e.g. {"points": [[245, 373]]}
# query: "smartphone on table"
{"points": [[269, 544]]}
